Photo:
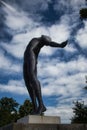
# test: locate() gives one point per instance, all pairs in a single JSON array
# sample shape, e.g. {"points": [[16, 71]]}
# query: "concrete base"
{"points": [[18, 126], [34, 119]]}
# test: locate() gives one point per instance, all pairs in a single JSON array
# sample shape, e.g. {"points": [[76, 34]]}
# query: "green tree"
{"points": [[8, 110], [83, 13], [80, 113], [26, 108], [86, 82], [85, 87]]}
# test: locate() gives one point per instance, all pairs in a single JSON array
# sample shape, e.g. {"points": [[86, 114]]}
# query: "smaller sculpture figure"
{"points": [[30, 70]]}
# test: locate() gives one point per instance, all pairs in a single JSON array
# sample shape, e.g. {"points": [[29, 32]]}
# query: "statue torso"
{"points": [[33, 48]]}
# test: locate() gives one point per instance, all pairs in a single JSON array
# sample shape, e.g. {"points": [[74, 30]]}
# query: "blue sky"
{"points": [[60, 71]]}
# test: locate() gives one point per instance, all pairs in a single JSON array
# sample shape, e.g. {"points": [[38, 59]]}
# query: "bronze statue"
{"points": [[30, 70]]}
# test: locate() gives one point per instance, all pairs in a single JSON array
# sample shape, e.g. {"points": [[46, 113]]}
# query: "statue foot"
{"points": [[38, 111], [41, 110]]}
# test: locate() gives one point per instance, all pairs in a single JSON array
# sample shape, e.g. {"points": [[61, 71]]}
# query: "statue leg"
{"points": [[29, 87], [41, 107], [37, 87]]}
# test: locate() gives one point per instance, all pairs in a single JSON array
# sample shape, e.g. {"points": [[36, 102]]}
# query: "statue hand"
{"points": [[63, 44]]}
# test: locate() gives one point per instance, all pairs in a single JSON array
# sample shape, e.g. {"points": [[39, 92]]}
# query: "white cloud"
{"points": [[7, 65], [81, 36], [20, 41], [47, 51], [65, 113], [15, 87], [3, 60], [67, 86], [77, 4], [17, 20], [8, 6], [69, 10], [69, 5], [59, 32], [55, 78], [70, 48], [15, 49], [61, 68], [33, 6], [21, 9], [27, 28]]}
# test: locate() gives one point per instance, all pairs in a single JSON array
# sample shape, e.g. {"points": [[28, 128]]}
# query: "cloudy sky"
{"points": [[60, 71]]}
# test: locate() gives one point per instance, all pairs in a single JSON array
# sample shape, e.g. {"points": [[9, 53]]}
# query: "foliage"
{"points": [[85, 87], [8, 110], [80, 113], [83, 13], [26, 108], [8, 104]]}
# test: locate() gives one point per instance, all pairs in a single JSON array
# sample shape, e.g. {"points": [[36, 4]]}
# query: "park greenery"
{"points": [[80, 112], [11, 111], [83, 13]]}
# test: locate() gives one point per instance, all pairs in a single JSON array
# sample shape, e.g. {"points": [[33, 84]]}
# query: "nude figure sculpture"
{"points": [[30, 70]]}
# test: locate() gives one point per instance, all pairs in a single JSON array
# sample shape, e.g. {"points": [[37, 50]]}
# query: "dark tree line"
{"points": [[80, 113], [83, 13], [11, 111]]}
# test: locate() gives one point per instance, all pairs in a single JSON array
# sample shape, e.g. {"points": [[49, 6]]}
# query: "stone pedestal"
{"points": [[19, 126], [34, 119]]}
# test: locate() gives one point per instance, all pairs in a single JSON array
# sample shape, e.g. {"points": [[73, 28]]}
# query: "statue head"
{"points": [[45, 38]]}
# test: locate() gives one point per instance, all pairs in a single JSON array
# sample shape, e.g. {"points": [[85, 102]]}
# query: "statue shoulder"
{"points": [[33, 43], [34, 40]]}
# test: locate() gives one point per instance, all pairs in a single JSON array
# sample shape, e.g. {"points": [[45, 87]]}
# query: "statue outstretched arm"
{"points": [[54, 44]]}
